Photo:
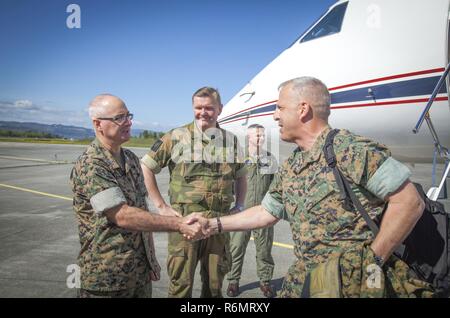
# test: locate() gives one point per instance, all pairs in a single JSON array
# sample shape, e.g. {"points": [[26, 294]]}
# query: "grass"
{"points": [[133, 142]]}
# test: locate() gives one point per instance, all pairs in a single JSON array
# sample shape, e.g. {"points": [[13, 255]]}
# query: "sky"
{"points": [[152, 54]]}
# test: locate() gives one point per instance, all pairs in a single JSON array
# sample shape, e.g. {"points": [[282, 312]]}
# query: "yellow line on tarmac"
{"points": [[36, 192], [279, 244], [33, 159], [70, 199]]}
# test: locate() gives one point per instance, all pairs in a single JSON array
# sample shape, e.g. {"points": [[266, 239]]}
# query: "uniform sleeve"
{"points": [[241, 168], [159, 155], [272, 201], [370, 165], [388, 178], [99, 186]]}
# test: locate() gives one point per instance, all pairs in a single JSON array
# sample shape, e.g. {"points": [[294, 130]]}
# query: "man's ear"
{"points": [[96, 124], [304, 111]]}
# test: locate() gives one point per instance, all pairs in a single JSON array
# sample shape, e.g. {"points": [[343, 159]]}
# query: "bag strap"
{"points": [[346, 190], [346, 193]]}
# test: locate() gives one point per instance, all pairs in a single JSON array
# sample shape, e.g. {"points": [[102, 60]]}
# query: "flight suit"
{"points": [[203, 167], [260, 172]]}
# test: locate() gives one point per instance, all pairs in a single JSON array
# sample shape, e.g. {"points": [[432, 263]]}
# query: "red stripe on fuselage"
{"points": [[436, 70]]}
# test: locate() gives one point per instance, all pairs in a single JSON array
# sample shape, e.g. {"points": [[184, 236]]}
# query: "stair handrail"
{"points": [[426, 116]]}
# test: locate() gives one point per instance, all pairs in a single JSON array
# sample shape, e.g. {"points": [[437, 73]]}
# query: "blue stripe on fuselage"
{"points": [[401, 89], [415, 87]]}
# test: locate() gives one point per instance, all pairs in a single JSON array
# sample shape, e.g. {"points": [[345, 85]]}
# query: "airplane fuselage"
{"points": [[380, 59]]}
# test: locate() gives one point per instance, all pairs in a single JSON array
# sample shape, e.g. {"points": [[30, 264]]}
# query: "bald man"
{"points": [[117, 256]]}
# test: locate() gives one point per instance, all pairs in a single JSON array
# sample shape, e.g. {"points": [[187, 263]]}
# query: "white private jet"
{"points": [[381, 59]]}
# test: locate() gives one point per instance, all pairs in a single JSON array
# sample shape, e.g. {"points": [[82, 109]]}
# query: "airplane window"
{"points": [[330, 24]]}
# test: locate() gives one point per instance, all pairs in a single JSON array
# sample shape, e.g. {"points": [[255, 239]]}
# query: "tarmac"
{"points": [[39, 236]]}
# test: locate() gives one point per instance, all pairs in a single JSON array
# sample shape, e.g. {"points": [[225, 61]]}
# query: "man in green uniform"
{"points": [[204, 162], [305, 192], [261, 166], [117, 256]]}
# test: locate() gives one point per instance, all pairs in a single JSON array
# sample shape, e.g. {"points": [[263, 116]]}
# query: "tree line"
{"points": [[146, 134], [150, 134], [26, 134]]}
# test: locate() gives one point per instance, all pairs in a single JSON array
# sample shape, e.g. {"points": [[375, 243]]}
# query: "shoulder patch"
{"points": [[156, 145]]}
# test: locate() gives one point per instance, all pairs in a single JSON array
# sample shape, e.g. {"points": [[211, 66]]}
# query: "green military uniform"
{"points": [[203, 168], [113, 261], [260, 171], [305, 192]]}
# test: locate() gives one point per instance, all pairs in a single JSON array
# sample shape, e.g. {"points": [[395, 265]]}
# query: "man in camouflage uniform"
{"points": [[204, 163], [261, 166], [117, 256], [305, 192]]}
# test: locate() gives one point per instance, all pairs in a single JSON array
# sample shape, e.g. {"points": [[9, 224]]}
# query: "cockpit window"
{"points": [[330, 24]]}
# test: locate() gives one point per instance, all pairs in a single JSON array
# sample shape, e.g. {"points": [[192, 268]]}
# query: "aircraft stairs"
{"points": [[437, 191]]}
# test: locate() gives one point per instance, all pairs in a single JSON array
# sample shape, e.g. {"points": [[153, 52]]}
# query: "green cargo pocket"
{"points": [[324, 281], [176, 266]]}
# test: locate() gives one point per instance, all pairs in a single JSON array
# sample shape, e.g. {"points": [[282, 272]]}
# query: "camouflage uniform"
{"points": [[260, 172], [305, 192], [113, 261], [203, 168], [355, 273]]}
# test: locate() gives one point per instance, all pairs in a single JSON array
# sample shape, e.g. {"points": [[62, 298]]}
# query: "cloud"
{"points": [[157, 126], [23, 103], [138, 123], [25, 110]]}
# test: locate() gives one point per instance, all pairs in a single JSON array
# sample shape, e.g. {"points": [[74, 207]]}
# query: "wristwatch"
{"points": [[379, 260], [239, 207]]}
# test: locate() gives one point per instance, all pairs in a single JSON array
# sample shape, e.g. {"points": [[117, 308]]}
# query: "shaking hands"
{"points": [[195, 227]]}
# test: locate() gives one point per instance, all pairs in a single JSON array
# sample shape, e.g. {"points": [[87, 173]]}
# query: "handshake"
{"points": [[195, 227]]}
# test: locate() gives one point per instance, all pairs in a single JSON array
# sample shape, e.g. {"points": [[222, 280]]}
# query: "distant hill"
{"points": [[64, 131]]}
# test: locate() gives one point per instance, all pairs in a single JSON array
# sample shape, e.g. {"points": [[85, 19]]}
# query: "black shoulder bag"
{"points": [[426, 250]]}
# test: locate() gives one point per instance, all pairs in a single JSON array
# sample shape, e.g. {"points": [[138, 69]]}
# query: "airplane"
{"points": [[380, 59]]}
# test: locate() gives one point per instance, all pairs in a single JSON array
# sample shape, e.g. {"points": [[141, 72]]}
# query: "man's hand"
{"points": [[167, 210], [195, 227]]}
